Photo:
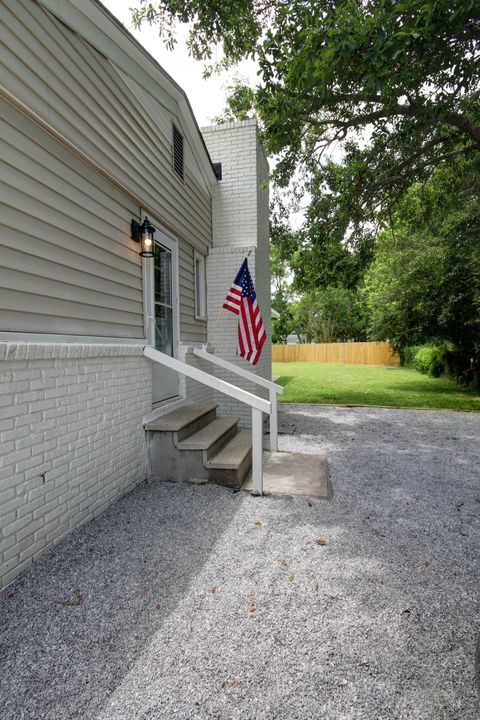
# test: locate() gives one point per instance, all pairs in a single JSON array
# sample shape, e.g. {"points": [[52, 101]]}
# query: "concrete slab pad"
{"points": [[287, 473]]}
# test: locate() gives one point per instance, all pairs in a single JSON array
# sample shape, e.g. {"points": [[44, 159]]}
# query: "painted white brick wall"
{"points": [[240, 214], [71, 439]]}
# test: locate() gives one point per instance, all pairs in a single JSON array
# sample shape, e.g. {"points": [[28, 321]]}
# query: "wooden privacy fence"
{"points": [[355, 353]]}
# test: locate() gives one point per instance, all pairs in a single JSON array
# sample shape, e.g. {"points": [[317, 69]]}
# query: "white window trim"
{"points": [[200, 313], [148, 286]]}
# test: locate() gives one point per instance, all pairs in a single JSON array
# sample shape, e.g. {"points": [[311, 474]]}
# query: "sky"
{"points": [[207, 97]]}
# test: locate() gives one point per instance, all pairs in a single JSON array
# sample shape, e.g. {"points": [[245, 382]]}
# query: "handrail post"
{"points": [[257, 452], [273, 421]]}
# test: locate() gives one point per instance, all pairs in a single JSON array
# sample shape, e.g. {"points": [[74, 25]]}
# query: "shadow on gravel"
{"points": [[73, 625], [377, 424]]}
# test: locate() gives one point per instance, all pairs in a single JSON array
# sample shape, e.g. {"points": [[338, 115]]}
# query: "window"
{"points": [[200, 287], [177, 151]]}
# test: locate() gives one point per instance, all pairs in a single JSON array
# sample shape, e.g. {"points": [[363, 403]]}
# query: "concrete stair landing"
{"points": [[287, 473], [191, 443]]}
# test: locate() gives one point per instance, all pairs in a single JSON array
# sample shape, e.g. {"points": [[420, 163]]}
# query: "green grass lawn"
{"points": [[335, 383]]}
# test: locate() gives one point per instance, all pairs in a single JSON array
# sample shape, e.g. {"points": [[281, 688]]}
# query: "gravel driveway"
{"points": [[196, 602]]}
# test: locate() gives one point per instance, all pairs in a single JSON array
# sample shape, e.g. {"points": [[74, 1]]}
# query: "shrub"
{"points": [[428, 360], [431, 359], [407, 355]]}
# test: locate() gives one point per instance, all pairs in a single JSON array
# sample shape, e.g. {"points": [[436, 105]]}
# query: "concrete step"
{"points": [[211, 435], [230, 465], [185, 420]]}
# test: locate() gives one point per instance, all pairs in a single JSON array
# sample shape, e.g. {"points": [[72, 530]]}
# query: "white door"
{"points": [[163, 312]]}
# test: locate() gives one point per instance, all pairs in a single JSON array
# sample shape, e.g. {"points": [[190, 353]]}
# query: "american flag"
{"points": [[242, 300]]}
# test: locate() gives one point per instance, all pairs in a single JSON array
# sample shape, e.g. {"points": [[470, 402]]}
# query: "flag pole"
{"points": [[214, 327], [212, 331]]}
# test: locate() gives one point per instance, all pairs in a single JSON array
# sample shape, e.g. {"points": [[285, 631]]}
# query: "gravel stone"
{"points": [[203, 604]]}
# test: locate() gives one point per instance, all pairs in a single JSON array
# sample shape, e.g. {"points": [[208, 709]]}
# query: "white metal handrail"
{"points": [[273, 388], [258, 405]]}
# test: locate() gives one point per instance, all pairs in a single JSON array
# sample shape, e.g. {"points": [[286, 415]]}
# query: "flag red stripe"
{"points": [[251, 334], [233, 299], [247, 322], [243, 328], [230, 306]]}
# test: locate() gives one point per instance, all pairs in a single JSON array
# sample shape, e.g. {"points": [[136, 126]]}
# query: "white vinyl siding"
{"points": [[67, 264], [73, 214], [83, 96]]}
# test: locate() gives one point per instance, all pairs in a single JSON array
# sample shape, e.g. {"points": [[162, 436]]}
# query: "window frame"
{"points": [[200, 293]]}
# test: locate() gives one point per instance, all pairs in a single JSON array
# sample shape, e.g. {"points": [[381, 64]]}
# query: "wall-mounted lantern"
{"points": [[143, 234]]}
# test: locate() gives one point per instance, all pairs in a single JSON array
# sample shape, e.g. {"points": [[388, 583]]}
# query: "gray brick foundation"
{"points": [[71, 439]]}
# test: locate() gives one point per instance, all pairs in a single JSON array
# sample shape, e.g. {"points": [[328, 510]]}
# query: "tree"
{"points": [[284, 324], [240, 103], [360, 101], [424, 283], [283, 242], [396, 82], [334, 314]]}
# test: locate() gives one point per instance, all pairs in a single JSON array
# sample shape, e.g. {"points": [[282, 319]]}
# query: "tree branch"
{"points": [[464, 125]]}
